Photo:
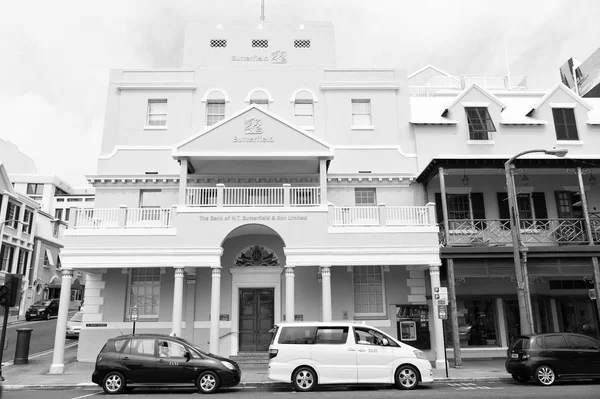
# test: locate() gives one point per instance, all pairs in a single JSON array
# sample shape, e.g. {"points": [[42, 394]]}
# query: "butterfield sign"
{"points": [[253, 132], [257, 218], [277, 57]]}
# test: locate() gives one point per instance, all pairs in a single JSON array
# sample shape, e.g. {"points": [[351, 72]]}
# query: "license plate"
{"points": [[514, 355]]}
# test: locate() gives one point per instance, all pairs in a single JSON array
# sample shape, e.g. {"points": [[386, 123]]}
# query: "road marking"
{"points": [[88, 395], [470, 386], [39, 354]]}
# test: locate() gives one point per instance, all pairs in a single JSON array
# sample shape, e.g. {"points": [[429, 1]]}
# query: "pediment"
{"points": [[253, 133]]}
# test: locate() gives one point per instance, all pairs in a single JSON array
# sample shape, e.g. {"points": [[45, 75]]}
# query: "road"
{"points": [[42, 337], [580, 390]]}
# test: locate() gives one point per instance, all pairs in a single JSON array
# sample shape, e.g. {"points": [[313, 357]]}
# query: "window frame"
{"points": [[569, 127], [383, 313], [35, 187], [483, 119], [144, 316], [28, 218], [7, 254], [210, 110], [150, 114], [297, 114], [356, 121], [13, 212], [358, 190]]}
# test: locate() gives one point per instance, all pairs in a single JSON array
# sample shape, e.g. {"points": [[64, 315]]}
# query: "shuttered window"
{"points": [[564, 123]]}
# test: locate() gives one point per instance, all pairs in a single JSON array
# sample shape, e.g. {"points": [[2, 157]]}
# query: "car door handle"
{"points": [[351, 350], [125, 358], [161, 361]]}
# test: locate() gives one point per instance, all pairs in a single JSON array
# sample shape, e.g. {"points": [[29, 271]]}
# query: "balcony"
{"points": [[496, 232], [382, 215], [123, 217], [221, 196]]}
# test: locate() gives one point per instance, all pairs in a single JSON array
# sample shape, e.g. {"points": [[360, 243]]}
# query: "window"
{"points": [[261, 98], [297, 335], [480, 123], [304, 109], [12, 213], [218, 42], [365, 336], [564, 123], [48, 259], [215, 111], [56, 228], [556, 342], [302, 43], [361, 112], [28, 220], [67, 214], [368, 291], [365, 197], [58, 191], [150, 198], [6, 254], [22, 261], [144, 291], [264, 43], [531, 206], [169, 349], [332, 335], [140, 347], [35, 189], [58, 213], [157, 113], [584, 343]]}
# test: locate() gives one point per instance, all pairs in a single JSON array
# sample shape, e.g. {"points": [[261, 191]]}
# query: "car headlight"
{"points": [[228, 365], [420, 354], [41, 309]]}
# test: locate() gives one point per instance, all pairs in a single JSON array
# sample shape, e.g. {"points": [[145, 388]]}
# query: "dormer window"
{"points": [[564, 123], [264, 43], [480, 123]]}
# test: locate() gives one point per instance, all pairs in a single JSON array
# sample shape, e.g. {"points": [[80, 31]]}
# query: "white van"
{"points": [[308, 354]]}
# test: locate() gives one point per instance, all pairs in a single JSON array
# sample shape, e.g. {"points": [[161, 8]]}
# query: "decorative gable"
{"points": [[560, 97]]}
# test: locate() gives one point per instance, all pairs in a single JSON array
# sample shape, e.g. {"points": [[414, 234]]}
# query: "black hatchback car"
{"points": [[42, 309], [553, 356], [157, 360]]}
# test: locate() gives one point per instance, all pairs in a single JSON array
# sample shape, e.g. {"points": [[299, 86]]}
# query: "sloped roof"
{"points": [[475, 86], [429, 66], [565, 89]]}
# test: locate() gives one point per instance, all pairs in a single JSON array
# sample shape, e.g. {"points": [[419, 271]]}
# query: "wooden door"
{"points": [[257, 310]]}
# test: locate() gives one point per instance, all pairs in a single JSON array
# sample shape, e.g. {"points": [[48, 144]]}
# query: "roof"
{"points": [[566, 90], [428, 111], [475, 86], [429, 66]]}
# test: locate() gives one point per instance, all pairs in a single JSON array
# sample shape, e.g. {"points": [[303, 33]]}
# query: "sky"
{"points": [[55, 56]]}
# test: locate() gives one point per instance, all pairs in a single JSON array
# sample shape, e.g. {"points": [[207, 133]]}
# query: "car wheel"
{"points": [[544, 375], [113, 383], [27, 318], [208, 382], [520, 378], [407, 377], [47, 316], [305, 379]]}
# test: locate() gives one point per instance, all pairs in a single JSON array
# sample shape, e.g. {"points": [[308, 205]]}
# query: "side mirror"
{"points": [[385, 342], [187, 356]]}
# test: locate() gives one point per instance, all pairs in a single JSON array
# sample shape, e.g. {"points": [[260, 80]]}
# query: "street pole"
{"points": [[4, 326], [523, 295]]}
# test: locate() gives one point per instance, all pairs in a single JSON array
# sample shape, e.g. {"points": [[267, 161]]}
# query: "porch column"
{"points": [[183, 168], [323, 180], [190, 304], [326, 285], [178, 301], [58, 357], [289, 294], [588, 228], [501, 319], [215, 309], [434, 273]]}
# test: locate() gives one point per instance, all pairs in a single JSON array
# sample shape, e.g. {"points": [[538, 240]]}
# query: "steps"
{"points": [[252, 360]]}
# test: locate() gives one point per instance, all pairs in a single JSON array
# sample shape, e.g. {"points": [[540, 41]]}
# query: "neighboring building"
{"points": [[583, 77], [18, 216], [260, 183]]}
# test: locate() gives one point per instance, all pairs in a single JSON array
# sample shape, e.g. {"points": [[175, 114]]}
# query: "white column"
{"points": [[215, 309], [554, 312], [323, 180], [58, 357], [183, 168], [178, 301], [501, 322], [440, 363], [289, 294], [326, 285], [190, 304]]}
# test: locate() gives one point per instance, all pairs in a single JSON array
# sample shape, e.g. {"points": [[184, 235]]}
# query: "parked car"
{"points": [[157, 360], [74, 325], [553, 356], [42, 309], [308, 354]]}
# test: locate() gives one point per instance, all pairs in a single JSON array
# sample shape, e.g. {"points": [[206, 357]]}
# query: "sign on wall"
{"points": [[441, 295]]}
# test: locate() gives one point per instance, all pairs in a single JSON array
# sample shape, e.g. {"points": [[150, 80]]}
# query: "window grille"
{"points": [[365, 197], [264, 43], [157, 113], [361, 112], [368, 291], [215, 111], [144, 291], [302, 43], [480, 123], [564, 123], [218, 42]]}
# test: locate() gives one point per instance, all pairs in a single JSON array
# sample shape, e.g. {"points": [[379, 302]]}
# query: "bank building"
{"points": [[261, 183]]}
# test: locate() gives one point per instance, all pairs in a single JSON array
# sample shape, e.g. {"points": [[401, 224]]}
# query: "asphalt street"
{"points": [[42, 337], [580, 390]]}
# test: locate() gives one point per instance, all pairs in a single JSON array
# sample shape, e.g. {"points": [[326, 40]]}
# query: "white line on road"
{"points": [[88, 395]]}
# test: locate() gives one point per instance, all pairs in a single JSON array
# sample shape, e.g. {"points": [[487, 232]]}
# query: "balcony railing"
{"points": [[382, 215], [496, 232], [123, 217], [221, 196]]}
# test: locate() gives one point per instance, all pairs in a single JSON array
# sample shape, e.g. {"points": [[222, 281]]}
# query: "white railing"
{"points": [[443, 81], [356, 216], [148, 217], [202, 196], [407, 215], [305, 196], [254, 196], [97, 218], [493, 82]]}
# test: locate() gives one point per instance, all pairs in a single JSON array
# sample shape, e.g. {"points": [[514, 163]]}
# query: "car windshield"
{"points": [[42, 303], [77, 317]]}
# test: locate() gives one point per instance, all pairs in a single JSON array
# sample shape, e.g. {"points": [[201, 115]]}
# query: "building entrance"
{"points": [[256, 319]]}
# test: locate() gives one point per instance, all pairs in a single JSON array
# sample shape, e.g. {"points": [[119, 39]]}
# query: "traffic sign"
{"points": [[441, 295], [442, 312], [134, 313]]}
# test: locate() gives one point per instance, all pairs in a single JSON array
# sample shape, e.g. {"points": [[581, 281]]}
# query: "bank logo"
{"points": [[253, 126], [279, 57]]}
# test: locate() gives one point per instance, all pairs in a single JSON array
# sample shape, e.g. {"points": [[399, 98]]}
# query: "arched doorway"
{"points": [[254, 256]]}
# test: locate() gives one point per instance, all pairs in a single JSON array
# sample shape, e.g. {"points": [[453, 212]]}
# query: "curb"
{"points": [[86, 386]]}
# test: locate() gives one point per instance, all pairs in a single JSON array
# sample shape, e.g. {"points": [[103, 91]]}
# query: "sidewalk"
{"points": [[34, 375]]}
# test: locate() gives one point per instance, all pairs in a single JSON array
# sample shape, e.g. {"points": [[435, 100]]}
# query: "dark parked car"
{"points": [[553, 356], [157, 360], [42, 309]]}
